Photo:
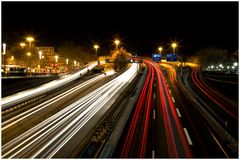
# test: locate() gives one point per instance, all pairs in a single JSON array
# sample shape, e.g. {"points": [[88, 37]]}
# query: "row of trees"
{"points": [[209, 56]]}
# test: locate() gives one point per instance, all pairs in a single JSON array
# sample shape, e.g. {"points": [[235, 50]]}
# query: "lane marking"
{"points": [[173, 99], [168, 85], [170, 91], [154, 84], [154, 114], [153, 154], [154, 95], [179, 115], [188, 137]]}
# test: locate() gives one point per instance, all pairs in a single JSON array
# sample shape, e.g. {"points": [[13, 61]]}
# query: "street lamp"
{"points": [[117, 42], [30, 39], [4, 57], [67, 61], [96, 48], [174, 45], [29, 63], [56, 58], [22, 45], [40, 57], [235, 63], [160, 49]]}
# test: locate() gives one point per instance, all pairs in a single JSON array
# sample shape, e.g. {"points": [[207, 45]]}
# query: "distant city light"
{"points": [[212, 66], [235, 63]]}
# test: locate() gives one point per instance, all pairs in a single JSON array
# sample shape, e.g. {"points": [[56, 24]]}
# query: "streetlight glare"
{"points": [[56, 58], [30, 39], [174, 45], [160, 49], [22, 45], [96, 46], [235, 63], [116, 41], [29, 54]]}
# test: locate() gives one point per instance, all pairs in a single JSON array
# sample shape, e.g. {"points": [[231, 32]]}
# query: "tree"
{"points": [[119, 57], [209, 56]]}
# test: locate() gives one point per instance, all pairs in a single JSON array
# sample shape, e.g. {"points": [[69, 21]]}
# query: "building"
{"points": [[47, 52]]}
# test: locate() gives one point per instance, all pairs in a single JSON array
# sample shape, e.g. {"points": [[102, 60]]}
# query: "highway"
{"points": [[67, 127], [205, 141], [155, 130]]}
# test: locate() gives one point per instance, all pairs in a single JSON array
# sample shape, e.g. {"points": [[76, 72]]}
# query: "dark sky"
{"points": [[142, 26]]}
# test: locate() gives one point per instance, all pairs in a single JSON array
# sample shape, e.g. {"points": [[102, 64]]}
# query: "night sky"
{"points": [[141, 26]]}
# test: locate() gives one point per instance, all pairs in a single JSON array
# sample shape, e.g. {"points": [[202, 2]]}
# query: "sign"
{"points": [[171, 57], [156, 57]]}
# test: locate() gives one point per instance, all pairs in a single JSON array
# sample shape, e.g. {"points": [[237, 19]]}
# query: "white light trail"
{"points": [[21, 96], [48, 137]]}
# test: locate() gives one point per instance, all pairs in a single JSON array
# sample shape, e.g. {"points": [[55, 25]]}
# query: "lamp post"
{"points": [[174, 45], [117, 42], [29, 62], [4, 58], [56, 60], [40, 57], [30, 40], [96, 48], [160, 49], [22, 45]]}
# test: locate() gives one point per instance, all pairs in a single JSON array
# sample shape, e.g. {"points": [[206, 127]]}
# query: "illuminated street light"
{"points": [[56, 58], [22, 45], [30, 40], [40, 54], [29, 61], [117, 42], [212, 66], [75, 63], [40, 57], [4, 57], [235, 64], [96, 48], [160, 49], [66, 61], [174, 45]]}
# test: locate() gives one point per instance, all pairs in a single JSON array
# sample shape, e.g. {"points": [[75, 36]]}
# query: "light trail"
{"points": [[48, 137], [25, 95], [28, 113], [211, 95], [136, 137]]}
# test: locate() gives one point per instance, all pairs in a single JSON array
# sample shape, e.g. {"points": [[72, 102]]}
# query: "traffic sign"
{"points": [[171, 57], [156, 57]]}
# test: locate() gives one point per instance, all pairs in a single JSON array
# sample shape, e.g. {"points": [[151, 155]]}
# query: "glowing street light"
{"points": [[56, 58], [29, 61], [67, 61], [4, 57], [117, 42], [75, 63], [174, 45], [40, 57], [96, 48], [160, 49], [235, 64], [30, 40], [22, 45]]}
